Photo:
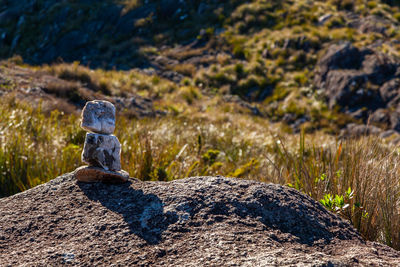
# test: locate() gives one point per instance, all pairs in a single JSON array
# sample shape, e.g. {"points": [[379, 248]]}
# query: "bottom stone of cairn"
{"points": [[90, 174]]}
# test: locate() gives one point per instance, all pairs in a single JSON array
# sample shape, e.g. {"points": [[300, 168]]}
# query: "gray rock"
{"points": [[357, 130], [387, 134], [380, 117], [324, 18], [102, 151], [136, 106], [358, 114], [379, 67], [354, 78], [390, 90], [395, 120], [343, 56], [98, 116], [198, 221]]}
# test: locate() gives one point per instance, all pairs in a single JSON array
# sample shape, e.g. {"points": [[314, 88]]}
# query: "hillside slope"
{"points": [[275, 53], [204, 221]]}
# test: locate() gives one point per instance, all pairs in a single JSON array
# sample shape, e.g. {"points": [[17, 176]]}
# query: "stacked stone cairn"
{"points": [[102, 150]]}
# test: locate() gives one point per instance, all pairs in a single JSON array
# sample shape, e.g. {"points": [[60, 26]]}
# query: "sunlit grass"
{"points": [[35, 148], [112, 82], [358, 179]]}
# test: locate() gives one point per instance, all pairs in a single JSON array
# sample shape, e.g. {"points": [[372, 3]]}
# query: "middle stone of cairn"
{"points": [[102, 150]]}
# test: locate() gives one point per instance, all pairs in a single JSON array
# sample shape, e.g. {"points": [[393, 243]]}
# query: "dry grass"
{"points": [[185, 69], [356, 178], [112, 82], [35, 148]]}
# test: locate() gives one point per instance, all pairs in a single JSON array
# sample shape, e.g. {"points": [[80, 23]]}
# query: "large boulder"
{"points": [[199, 221], [342, 56], [379, 117], [379, 67], [390, 92], [356, 79], [354, 130], [346, 88], [349, 75]]}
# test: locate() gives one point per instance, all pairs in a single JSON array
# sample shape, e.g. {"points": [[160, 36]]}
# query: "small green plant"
{"points": [[337, 203]]}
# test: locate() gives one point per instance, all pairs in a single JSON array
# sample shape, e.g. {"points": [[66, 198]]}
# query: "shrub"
{"points": [[397, 16], [16, 59], [185, 69], [78, 73], [190, 93], [64, 89]]}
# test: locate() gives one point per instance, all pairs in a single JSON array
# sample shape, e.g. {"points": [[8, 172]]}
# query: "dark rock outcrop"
{"points": [[390, 92], [358, 130], [204, 221], [361, 79]]}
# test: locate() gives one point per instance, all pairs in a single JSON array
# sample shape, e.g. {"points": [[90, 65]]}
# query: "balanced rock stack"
{"points": [[102, 150]]}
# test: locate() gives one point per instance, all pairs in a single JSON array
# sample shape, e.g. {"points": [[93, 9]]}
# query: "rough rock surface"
{"points": [[360, 82], [351, 77], [357, 130], [98, 116], [102, 151], [90, 174], [200, 221]]}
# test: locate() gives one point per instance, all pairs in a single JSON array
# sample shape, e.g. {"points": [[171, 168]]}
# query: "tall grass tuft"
{"points": [[358, 179], [35, 148]]}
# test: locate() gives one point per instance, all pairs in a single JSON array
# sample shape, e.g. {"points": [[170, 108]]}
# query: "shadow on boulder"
{"points": [[144, 213]]}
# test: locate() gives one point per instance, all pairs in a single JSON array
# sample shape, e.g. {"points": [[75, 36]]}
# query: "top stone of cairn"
{"points": [[98, 116]]}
